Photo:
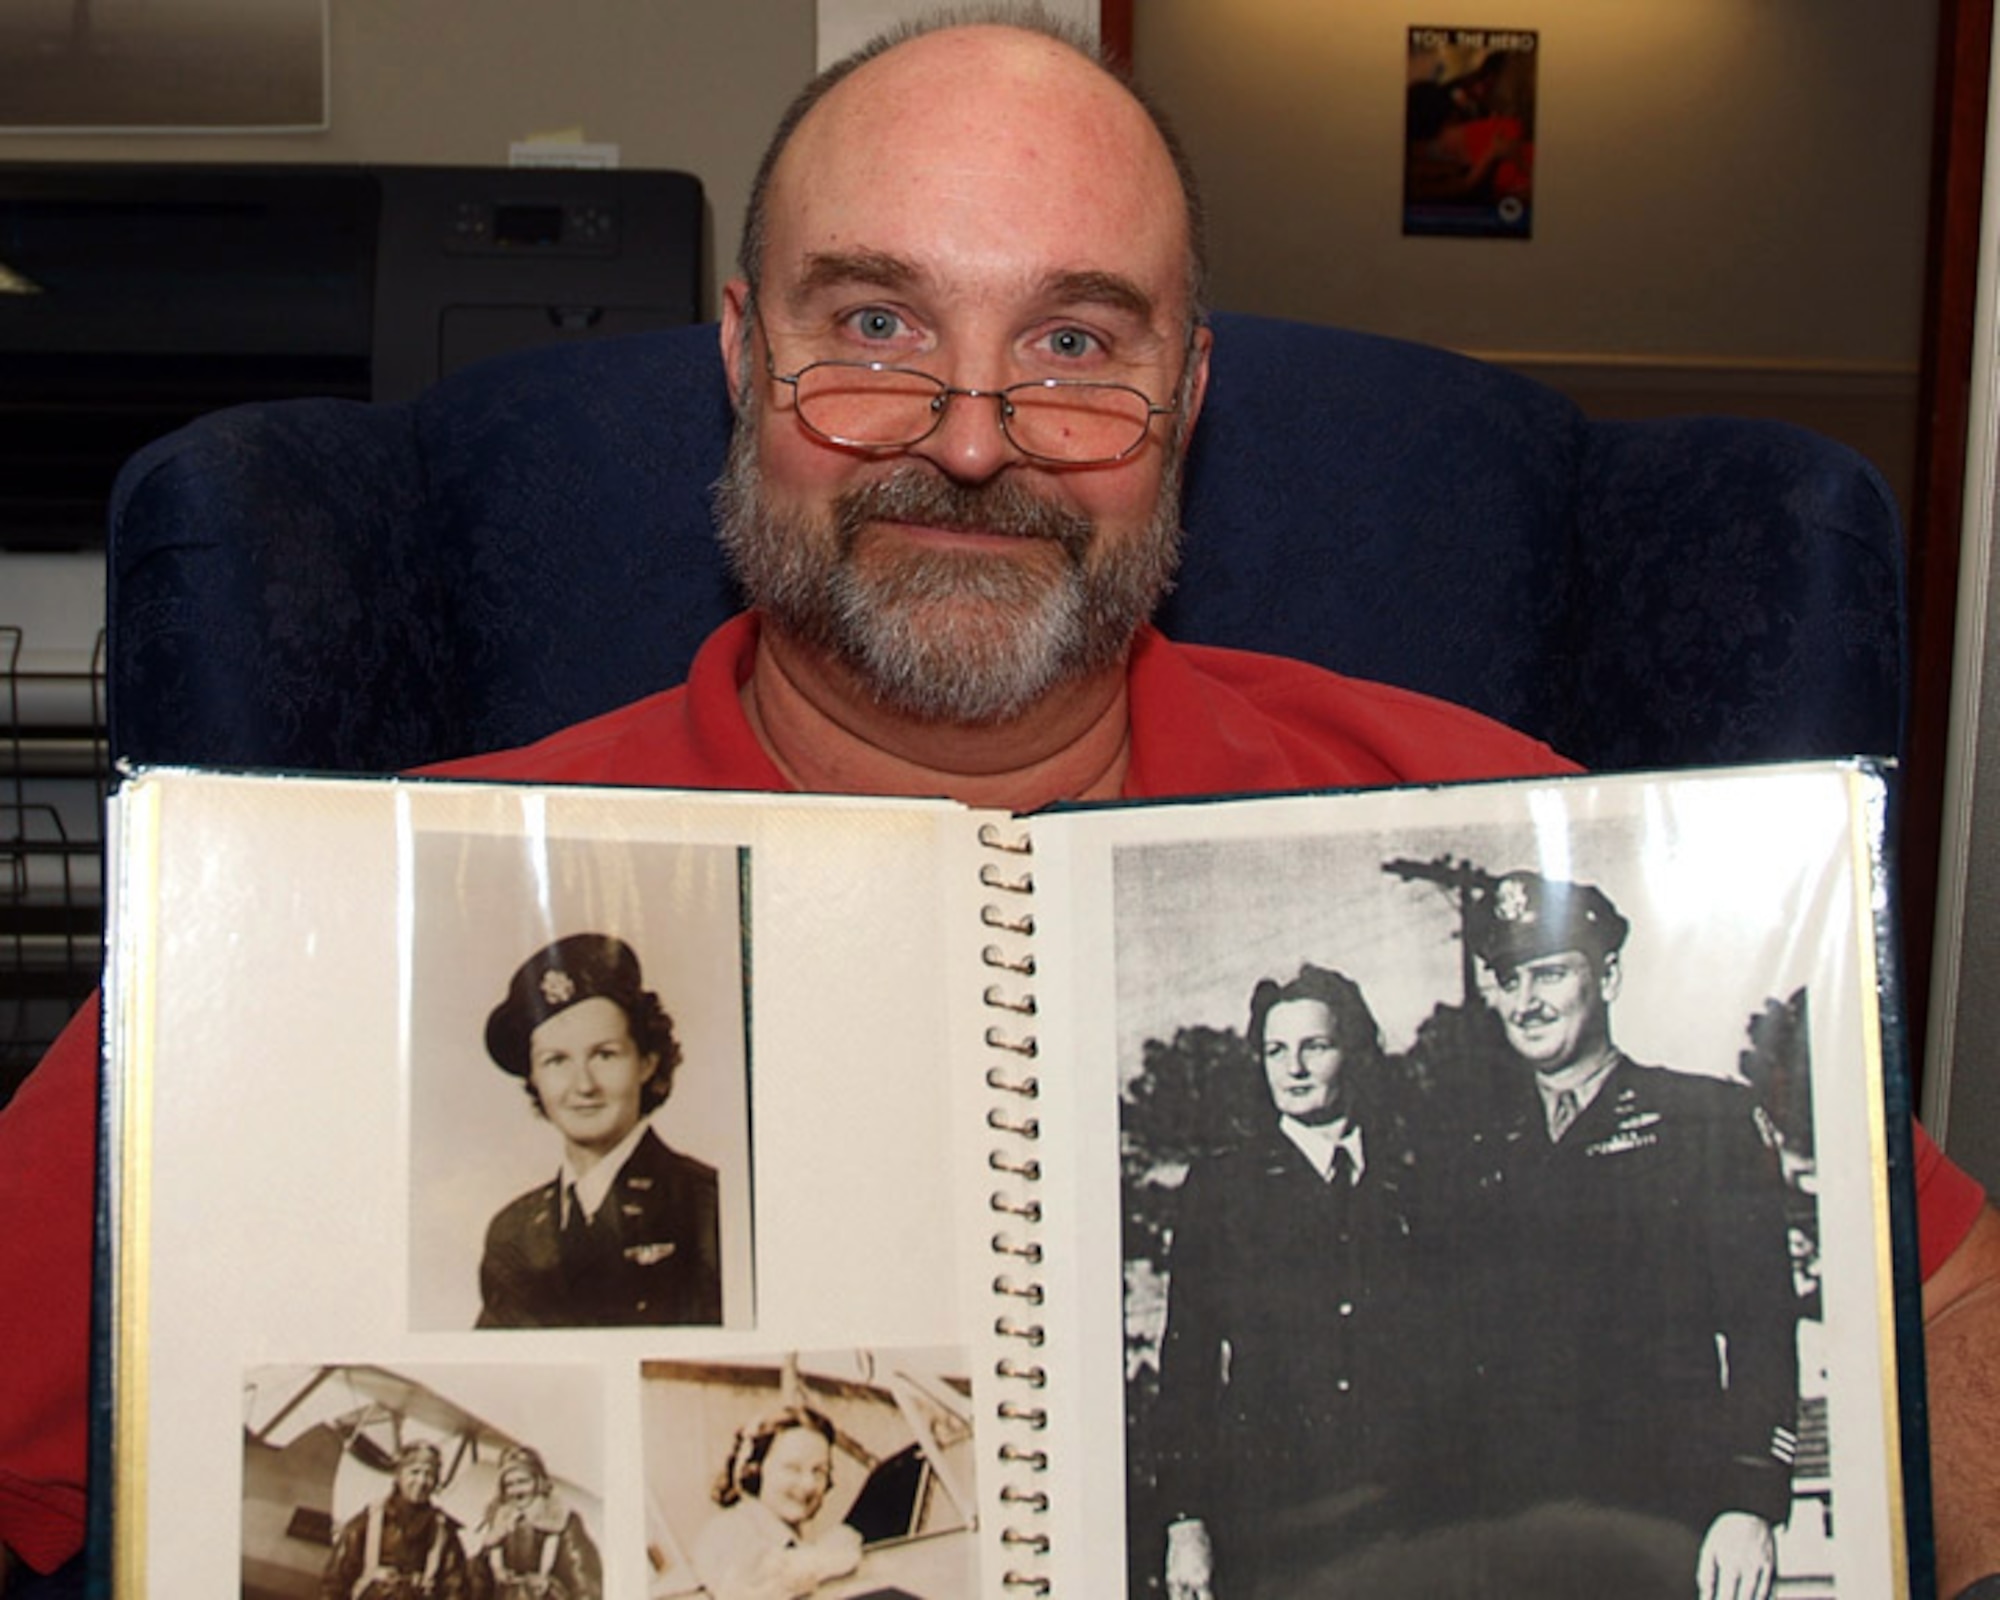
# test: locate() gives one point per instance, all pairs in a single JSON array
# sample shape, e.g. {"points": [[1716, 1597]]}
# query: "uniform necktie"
{"points": [[1563, 1115]]}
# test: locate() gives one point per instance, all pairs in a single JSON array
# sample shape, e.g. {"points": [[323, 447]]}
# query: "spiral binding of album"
{"points": [[1016, 1203]]}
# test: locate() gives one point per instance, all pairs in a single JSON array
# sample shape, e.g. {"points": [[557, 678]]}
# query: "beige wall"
{"points": [[1713, 177], [1730, 195], [846, 25]]}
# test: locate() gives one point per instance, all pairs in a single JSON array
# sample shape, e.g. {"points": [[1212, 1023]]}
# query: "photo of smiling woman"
{"points": [[760, 1545], [578, 1064], [626, 1233]]}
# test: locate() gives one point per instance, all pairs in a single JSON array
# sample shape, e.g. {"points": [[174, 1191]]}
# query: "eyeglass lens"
{"points": [[871, 407]]}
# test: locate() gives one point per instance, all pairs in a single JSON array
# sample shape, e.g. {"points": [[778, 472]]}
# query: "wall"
{"points": [[1730, 195], [846, 25]]}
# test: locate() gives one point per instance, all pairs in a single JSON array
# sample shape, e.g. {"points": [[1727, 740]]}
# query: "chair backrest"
{"points": [[325, 584]]}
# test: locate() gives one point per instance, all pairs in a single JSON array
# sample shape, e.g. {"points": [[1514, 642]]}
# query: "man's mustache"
{"points": [[1003, 507]]}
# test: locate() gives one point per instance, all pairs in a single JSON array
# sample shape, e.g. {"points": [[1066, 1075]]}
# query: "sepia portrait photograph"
{"points": [[1472, 1236], [452, 1483], [578, 1084], [844, 1475]]}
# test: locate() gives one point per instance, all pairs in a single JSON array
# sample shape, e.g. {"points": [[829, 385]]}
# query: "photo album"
{"points": [[1493, 1190]]}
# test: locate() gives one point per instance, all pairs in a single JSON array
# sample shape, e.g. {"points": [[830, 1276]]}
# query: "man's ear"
{"points": [[1609, 975], [1197, 380], [735, 338]]}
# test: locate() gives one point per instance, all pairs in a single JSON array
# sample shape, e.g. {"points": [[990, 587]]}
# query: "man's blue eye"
{"points": [[879, 324], [1070, 342]]}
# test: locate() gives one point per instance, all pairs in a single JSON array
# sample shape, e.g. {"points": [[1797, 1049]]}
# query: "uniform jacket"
{"points": [[396, 1551], [1304, 1370], [1639, 1320], [651, 1256]]}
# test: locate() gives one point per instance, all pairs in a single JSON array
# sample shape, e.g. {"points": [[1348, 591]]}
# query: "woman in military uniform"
{"points": [[627, 1233], [1304, 1362]]}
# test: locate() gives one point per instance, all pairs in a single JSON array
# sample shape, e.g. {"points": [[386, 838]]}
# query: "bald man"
{"points": [[950, 566]]}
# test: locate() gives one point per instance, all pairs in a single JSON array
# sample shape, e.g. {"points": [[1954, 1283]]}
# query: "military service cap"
{"points": [[1524, 916], [582, 967]]}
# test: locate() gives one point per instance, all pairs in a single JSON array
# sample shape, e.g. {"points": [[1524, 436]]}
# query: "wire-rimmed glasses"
{"points": [[1066, 422]]}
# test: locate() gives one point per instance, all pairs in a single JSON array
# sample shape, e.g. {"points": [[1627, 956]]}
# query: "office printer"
{"points": [[133, 297]]}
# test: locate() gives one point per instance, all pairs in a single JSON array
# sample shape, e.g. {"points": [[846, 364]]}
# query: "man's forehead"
{"points": [[967, 75], [1554, 961], [980, 146]]}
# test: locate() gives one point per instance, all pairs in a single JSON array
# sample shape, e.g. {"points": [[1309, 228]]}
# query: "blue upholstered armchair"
{"points": [[332, 585]]}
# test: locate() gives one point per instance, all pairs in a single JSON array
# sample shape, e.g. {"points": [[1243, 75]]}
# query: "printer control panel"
{"points": [[513, 227]]}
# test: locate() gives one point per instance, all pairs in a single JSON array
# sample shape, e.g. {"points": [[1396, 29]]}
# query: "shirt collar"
{"points": [[1317, 1142], [591, 1187], [1584, 1082]]}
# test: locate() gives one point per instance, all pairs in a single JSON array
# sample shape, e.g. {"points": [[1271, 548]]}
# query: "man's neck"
{"points": [[828, 734], [1585, 1070]]}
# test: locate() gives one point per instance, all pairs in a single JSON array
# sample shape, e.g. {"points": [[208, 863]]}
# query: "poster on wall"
{"points": [[1469, 133]]}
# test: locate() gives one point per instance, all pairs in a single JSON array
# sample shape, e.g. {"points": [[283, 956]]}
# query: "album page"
{"points": [[515, 1181], [1478, 1190]]}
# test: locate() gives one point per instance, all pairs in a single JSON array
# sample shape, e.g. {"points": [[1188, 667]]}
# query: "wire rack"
{"points": [[53, 775]]}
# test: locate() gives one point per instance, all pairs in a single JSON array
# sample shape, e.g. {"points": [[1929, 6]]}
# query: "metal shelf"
{"points": [[53, 777]]}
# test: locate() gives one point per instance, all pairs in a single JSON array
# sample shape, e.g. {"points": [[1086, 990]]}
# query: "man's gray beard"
{"points": [[947, 636]]}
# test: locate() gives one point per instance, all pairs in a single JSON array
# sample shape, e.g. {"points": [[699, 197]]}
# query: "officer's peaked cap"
{"points": [[1524, 916]]}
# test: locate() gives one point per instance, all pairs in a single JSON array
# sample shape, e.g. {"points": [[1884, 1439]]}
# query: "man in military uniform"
{"points": [[1299, 1401], [1638, 1315], [402, 1547], [627, 1233]]}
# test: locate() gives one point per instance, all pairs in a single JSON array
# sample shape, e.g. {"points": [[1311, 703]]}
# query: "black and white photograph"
{"points": [[837, 1475], [1471, 1231], [454, 1483], [578, 1085]]}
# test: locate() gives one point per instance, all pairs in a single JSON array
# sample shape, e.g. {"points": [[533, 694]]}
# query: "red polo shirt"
{"points": [[1204, 721]]}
